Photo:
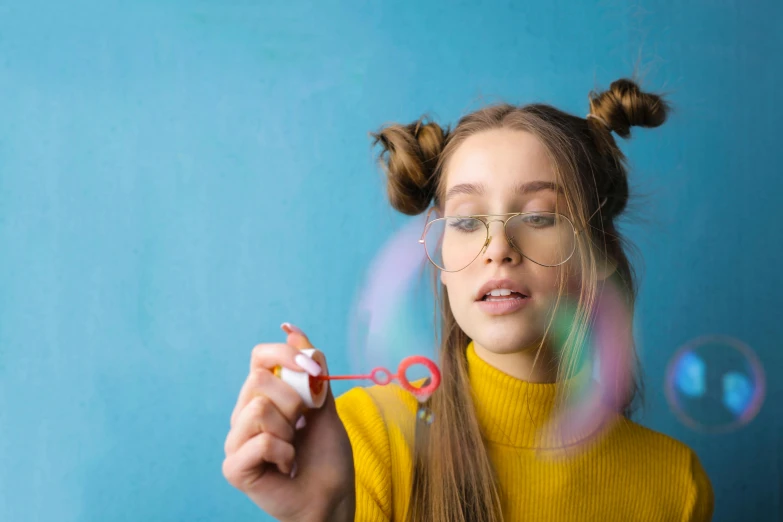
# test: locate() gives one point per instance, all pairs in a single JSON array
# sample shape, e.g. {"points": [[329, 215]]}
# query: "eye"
{"points": [[466, 224], [538, 220]]}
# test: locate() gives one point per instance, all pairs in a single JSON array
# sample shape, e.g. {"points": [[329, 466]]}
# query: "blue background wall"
{"points": [[178, 178]]}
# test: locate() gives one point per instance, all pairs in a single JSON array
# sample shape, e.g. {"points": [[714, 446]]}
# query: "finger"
{"points": [[242, 393], [241, 468], [263, 383], [296, 337], [269, 355], [259, 416]]}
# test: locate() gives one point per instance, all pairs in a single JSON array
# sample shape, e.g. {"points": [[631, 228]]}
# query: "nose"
{"points": [[498, 249]]}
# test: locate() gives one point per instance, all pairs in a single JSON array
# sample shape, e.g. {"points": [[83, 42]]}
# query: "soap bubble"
{"points": [[602, 375], [425, 415], [393, 319], [715, 384], [393, 314]]}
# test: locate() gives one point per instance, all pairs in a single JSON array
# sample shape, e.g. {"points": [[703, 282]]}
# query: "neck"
{"points": [[535, 363]]}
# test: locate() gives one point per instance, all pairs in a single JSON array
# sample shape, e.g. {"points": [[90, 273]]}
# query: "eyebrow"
{"points": [[522, 189]]}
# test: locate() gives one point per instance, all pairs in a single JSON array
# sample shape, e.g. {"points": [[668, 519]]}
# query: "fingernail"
{"points": [[301, 422], [308, 365], [289, 328], [293, 470]]}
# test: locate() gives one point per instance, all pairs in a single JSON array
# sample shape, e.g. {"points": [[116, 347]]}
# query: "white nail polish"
{"points": [[300, 423], [293, 470], [293, 328], [308, 365]]}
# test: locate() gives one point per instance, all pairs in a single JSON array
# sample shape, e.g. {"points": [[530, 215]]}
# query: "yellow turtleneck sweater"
{"points": [[630, 474]]}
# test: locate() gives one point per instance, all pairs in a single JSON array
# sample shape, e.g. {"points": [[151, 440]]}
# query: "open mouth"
{"points": [[503, 295]]}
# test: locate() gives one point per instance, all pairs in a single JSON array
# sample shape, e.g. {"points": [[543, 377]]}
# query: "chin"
{"points": [[497, 339], [517, 332]]}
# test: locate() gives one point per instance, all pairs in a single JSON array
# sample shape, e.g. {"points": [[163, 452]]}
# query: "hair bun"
{"points": [[409, 156], [625, 105]]}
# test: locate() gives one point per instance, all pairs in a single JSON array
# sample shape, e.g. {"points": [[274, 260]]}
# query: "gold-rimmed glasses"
{"points": [[454, 242]]}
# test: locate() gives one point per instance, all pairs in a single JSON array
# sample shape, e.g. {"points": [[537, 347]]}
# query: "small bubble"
{"points": [[425, 414], [715, 384]]}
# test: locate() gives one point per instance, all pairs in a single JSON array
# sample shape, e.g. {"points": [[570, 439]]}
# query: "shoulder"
{"points": [[380, 419], [669, 467], [389, 405], [379, 423], [376, 403], [356, 405], [363, 421], [648, 443]]}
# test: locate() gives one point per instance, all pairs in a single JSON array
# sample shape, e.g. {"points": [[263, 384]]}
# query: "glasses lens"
{"points": [[452, 243], [543, 237]]}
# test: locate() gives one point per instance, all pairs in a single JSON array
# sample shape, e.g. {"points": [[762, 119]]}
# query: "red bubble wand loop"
{"points": [[383, 376]]}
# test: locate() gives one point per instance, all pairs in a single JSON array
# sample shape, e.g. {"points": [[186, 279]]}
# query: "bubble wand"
{"points": [[382, 376], [313, 392]]}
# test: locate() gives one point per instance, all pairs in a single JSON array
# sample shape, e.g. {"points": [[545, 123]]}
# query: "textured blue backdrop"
{"points": [[179, 177]]}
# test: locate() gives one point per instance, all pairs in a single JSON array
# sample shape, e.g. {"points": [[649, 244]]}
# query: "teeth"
{"points": [[500, 292]]}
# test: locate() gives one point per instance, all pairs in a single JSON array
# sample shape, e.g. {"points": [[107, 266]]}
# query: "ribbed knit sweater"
{"points": [[621, 471]]}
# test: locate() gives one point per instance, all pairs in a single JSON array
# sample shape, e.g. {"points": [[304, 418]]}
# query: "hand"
{"points": [[295, 464]]}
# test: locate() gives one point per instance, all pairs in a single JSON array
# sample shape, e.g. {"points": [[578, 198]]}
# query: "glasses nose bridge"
{"points": [[489, 232]]}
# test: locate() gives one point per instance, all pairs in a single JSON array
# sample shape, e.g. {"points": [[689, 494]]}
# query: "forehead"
{"points": [[500, 159]]}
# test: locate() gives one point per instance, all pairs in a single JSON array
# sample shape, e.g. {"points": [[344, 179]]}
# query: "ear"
{"points": [[443, 277]]}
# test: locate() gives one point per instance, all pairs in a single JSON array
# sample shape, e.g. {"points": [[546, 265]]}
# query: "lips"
{"points": [[503, 306], [495, 284]]}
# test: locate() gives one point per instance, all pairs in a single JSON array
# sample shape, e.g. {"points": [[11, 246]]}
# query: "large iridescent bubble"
{"points": [[603, 377], [393, 313]]}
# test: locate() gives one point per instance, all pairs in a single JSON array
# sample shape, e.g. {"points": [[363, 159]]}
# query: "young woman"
{"points": [[523, 204]]}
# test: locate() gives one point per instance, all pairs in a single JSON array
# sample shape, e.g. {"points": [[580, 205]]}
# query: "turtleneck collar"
{"points": [[517, 413]]}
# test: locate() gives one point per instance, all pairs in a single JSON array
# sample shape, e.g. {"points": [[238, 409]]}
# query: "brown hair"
{"points": [[453, 478]]}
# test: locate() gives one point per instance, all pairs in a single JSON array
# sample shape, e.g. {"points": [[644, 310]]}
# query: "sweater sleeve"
{"points": [[371, 454], [701, 499]]}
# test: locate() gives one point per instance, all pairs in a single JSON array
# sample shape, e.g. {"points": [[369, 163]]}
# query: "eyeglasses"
{"points": [[545, 238]]}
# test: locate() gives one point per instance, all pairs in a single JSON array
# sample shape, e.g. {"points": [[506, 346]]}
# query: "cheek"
{"points": [[460, 286], [447, 280], [547, 280], [455, 282]]}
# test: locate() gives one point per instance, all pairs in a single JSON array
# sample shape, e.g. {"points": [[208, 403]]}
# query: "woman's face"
{"points": [[502, 171]]}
